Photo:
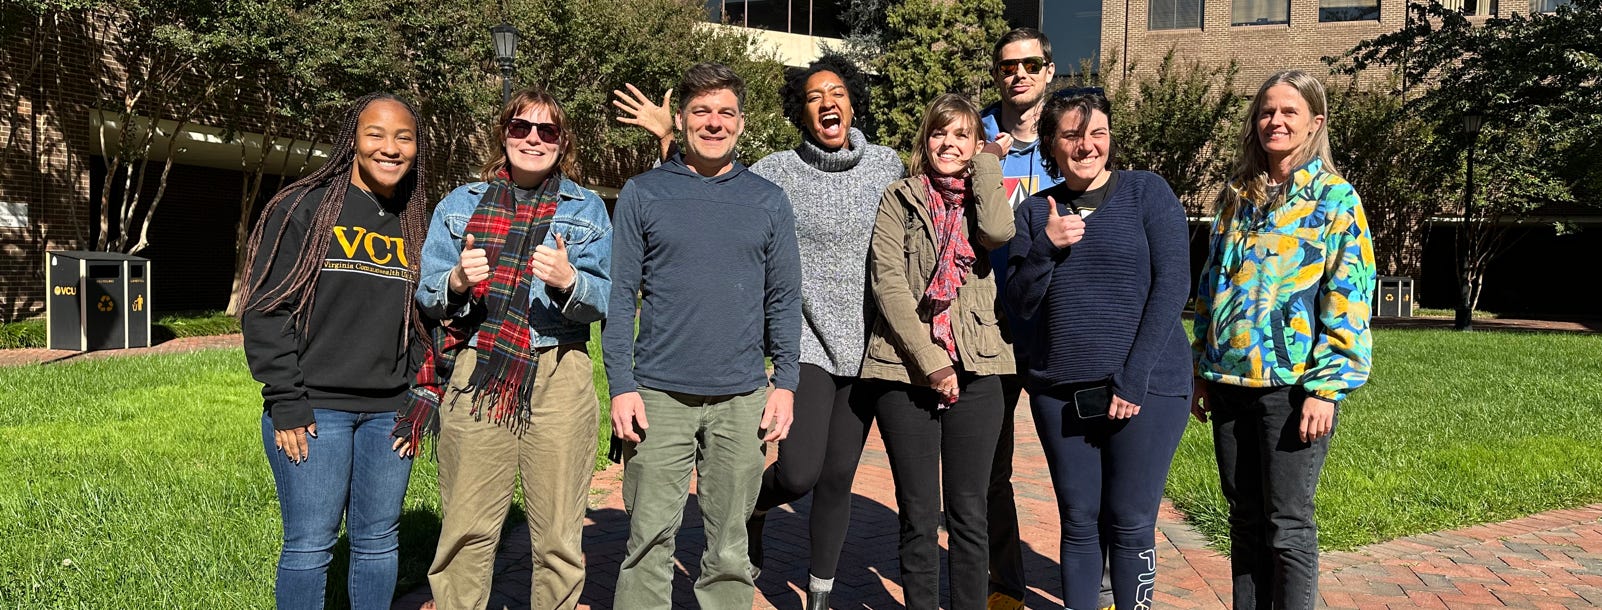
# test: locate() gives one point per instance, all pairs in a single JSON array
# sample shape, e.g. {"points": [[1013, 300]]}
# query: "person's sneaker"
{"points": [[1002, 601], [817, 600]]}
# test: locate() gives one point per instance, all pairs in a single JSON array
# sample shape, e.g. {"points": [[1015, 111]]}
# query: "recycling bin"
{"points": [[96, 300], [1395, 297]]}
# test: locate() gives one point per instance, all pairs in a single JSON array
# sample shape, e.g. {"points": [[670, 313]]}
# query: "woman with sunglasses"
{"points": [[515, 270], [1099, 266], [834, 179], [330, 329], [935, 345], [1282, 335]]}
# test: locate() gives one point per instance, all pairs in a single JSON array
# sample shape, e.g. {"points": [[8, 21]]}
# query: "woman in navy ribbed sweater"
{"points": [[1100, 265]]}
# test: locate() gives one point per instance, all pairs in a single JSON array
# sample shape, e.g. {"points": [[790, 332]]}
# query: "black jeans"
{"points": [[942, 456], [1006, 548], [1269, 476], [1109, 475], [832, 417]]}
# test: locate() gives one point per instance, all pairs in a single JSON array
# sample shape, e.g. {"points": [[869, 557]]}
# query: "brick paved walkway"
{"points": [[1552, 560]]}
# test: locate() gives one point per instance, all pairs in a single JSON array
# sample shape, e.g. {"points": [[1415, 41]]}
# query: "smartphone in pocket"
{"points": [[1093, 401]]}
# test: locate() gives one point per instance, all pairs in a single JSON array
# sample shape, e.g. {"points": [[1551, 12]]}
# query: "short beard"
{"points": [[1014, 101]]}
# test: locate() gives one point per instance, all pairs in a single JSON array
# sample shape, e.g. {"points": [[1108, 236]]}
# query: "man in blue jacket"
{"points": [[711, 249], [1023, 70]]}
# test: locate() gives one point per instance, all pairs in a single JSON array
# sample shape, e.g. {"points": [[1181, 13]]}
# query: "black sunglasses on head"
{"points": [[1031, 65], [1078, 91], [518, 129]]}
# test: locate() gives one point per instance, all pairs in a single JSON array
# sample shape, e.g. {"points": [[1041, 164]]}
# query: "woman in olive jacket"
{"points": [[936, 346]]}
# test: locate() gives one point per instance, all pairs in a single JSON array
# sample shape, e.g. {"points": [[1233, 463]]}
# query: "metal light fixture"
{"points": [[505, 37], [1464, 318]]}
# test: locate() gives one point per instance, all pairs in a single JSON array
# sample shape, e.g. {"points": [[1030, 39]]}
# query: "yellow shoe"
{"points": [[1110, 608], [1002, 601]]}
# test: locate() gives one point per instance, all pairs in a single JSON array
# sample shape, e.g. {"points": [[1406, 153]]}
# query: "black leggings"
{"points": [[832, 418], [1109, 476]]}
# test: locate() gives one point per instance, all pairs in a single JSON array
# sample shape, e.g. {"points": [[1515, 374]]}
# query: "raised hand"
{"points": [[638, 110], [552, 267], [1063, 231], [471, 268]]}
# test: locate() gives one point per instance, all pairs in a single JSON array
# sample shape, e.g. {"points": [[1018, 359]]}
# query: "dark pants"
{"points": [[1006, 549], [1269, 476], [1109, 476], [832, 418], [942, 456]]}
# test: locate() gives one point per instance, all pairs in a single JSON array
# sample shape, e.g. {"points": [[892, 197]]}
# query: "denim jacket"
{"points": [[555, 319]]}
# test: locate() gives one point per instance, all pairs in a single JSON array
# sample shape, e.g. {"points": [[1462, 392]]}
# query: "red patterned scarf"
{"points": [[947, 203], [503, 380]]}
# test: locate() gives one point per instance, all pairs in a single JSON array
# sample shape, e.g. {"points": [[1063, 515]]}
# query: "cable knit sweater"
{"points": [[835, 195]]}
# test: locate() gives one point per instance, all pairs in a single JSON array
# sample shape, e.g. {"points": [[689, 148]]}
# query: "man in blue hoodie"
{"points": [[711, 249], [1023, 69]]}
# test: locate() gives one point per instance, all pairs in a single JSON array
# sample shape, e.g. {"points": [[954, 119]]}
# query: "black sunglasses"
{"points": [[518, 129], [1031, 65]]}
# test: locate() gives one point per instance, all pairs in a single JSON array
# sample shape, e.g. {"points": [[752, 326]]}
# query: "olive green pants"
{"points": [[717, 438]]}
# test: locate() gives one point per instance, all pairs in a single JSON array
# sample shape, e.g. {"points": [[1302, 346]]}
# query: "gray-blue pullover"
{"points": [[715, 262]]}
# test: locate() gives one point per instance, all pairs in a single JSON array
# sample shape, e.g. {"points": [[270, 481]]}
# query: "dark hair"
{"points": [[534, 95], [1069, 100], [1018, 34], [299, 288], [706, 77], [794, 92]]}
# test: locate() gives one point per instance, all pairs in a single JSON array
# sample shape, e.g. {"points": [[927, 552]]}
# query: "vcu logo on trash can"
{"points": [[66, 291], [106, 303]]}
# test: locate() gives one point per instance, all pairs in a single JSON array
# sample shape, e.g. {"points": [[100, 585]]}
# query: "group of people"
{"points": [[1008, 254]]}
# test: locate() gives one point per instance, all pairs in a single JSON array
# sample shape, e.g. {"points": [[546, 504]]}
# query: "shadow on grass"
{"points": [[419, 535]]}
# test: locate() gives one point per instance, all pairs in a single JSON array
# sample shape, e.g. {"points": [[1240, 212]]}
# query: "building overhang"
{"points": [[207, 146]]}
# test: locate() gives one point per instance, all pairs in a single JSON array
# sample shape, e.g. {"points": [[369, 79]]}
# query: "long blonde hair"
{"points": [[1251, 162]]}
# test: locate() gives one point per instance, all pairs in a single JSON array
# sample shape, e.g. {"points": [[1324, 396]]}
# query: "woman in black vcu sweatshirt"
{"points": [[330, 329]]}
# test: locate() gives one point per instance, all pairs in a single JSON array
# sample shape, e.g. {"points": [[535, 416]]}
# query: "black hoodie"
{"points": [[352, 355]]}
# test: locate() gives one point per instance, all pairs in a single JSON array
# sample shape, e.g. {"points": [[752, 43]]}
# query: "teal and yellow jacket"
{"points": [[1286, 295]]}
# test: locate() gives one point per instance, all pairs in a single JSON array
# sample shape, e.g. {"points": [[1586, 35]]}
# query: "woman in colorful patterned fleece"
{"points": [[1282, 335]]}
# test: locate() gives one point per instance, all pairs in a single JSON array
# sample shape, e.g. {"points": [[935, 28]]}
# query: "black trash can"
{"points": [[96, 300], [1395, 297]]}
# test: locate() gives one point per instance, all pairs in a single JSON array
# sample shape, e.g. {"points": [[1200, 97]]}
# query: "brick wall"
{"points": [[1261, 49]]}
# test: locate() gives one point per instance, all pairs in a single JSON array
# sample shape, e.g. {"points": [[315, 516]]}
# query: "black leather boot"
{"points": [[817, 600]]}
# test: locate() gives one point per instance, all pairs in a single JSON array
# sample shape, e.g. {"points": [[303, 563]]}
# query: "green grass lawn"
{"points": [[140, 482], [1452, 429]]}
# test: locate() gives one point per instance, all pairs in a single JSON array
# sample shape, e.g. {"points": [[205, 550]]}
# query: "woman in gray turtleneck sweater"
{"points": [[834, 180]]}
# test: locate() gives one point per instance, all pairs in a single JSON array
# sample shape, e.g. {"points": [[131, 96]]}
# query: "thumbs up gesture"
{"points": [[1063, 231], [551, 266], [473, 267]]}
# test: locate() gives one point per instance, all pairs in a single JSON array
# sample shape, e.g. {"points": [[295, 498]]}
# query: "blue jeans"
{"points": [[350, 472], [1109, 476]]}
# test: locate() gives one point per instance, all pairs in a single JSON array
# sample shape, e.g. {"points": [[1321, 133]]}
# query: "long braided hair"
{"points": [[299, 288]]}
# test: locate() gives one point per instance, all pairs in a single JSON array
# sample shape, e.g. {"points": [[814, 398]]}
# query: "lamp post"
{"points": [[1472, 121], [505, 37]]}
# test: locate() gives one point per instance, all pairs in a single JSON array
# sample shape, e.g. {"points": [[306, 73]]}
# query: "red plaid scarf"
{"points": [[508, 230], [947, 201]]}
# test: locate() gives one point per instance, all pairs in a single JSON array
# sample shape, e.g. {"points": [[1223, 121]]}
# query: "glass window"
{"points": [[1471, 7], [1350, 10], [1260, 12], [807, 17], [1546, 6], [1175, 14]]}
